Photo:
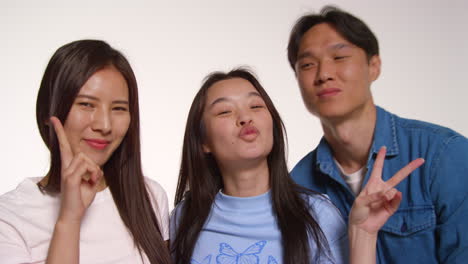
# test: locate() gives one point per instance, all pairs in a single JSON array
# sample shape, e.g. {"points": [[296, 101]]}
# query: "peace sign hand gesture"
{"points": [[379, 199], [80, 178]]}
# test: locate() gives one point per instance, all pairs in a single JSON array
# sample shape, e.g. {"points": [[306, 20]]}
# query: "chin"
{"points": [[255, 154], [329, 112], [99, 159]]}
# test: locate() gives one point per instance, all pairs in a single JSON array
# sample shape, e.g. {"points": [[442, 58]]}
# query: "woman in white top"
{"points": [[94, 205]]}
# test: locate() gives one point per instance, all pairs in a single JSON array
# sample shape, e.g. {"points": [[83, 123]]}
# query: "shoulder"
{"points": [[327, 216], [155, 189], [304, 166], [306, 161], [304, 172], [25, 212], [177, 211], [158, 196], [24, 194], [321, 205], [160, 205], [175, 220], [153, 185], [10, 204], [419, 138], [438, 142], [426, 129]]}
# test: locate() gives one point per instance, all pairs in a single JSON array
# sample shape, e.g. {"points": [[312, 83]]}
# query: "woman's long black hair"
{"points": [[200, 180], [68, 70]]}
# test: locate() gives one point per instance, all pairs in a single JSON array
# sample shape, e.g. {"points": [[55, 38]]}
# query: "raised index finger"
{"points": [[404, 172], [66, 154]]}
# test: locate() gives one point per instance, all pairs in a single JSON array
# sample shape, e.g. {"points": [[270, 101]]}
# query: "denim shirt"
{"points": [[431, 224]]}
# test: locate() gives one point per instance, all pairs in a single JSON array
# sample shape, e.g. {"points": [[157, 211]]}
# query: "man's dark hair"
{"points": [[350, 27]]}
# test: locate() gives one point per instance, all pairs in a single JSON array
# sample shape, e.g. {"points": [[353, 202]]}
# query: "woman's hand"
{"points": [[379, 199], [80, 178]]}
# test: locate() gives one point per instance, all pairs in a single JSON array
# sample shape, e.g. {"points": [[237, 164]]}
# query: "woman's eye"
{"points": [[85, 104], [120, 108], [224, 112]]}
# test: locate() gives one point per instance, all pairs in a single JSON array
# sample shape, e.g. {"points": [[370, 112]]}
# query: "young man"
{"points": [[335, 57]]}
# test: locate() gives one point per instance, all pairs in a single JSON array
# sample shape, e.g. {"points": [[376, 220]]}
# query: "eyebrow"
{"points": [[226, 99], [337, 46], [97, 99]]}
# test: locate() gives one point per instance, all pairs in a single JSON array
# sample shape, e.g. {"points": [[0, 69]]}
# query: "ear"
{"points": [[206, 149], [374, 67]]}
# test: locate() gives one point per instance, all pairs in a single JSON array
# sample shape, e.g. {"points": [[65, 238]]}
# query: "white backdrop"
{"points": [[173, 45]]}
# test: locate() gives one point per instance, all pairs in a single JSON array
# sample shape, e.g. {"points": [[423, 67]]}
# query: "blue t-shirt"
{"points": [[244, 230], [430, 224]]}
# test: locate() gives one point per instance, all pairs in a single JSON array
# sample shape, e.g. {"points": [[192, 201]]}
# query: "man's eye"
{"points": [[340, 57], [306, 65]]}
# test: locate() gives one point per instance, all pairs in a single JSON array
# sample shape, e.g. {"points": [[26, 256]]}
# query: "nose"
{"points": [[244, 117], [102, 121], [325, 72]]}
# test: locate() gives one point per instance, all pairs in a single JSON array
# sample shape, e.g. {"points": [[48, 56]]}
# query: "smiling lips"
{"points": [[97, 143], [248, 133], [328, 92]]}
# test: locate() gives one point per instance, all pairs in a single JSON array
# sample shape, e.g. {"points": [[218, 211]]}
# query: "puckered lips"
{"points": [[97, 143], [249, 133]]}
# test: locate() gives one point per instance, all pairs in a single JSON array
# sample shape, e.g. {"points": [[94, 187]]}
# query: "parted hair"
{"points": [[200, 180], [67, 71]]}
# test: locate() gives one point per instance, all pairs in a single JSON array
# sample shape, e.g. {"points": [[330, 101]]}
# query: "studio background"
{"points": [[173, 45]]}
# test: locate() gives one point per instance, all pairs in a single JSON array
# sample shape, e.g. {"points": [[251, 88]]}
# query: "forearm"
{"points": [[65, 244], [362, 246]]}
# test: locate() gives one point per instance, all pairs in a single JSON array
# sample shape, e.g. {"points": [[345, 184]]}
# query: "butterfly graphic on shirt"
{"points": [[272, 260], [206, 260], [249, 256]]}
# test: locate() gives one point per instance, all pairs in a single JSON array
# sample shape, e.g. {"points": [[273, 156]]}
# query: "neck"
{"points": [[246, 181], [351, 138]]}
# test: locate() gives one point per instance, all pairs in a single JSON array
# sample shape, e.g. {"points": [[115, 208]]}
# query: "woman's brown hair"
{"points": [[200, 180], [68, 70]]}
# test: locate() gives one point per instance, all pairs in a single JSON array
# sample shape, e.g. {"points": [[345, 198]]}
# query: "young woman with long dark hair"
{"points": [[94, 205], [235, 201]]}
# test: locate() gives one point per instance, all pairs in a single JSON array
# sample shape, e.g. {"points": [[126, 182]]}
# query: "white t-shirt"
{"points": [[28, 217], [355, 179]]}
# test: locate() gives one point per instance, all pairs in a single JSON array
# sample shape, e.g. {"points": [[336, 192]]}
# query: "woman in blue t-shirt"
{"points": [[235, 201]]}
